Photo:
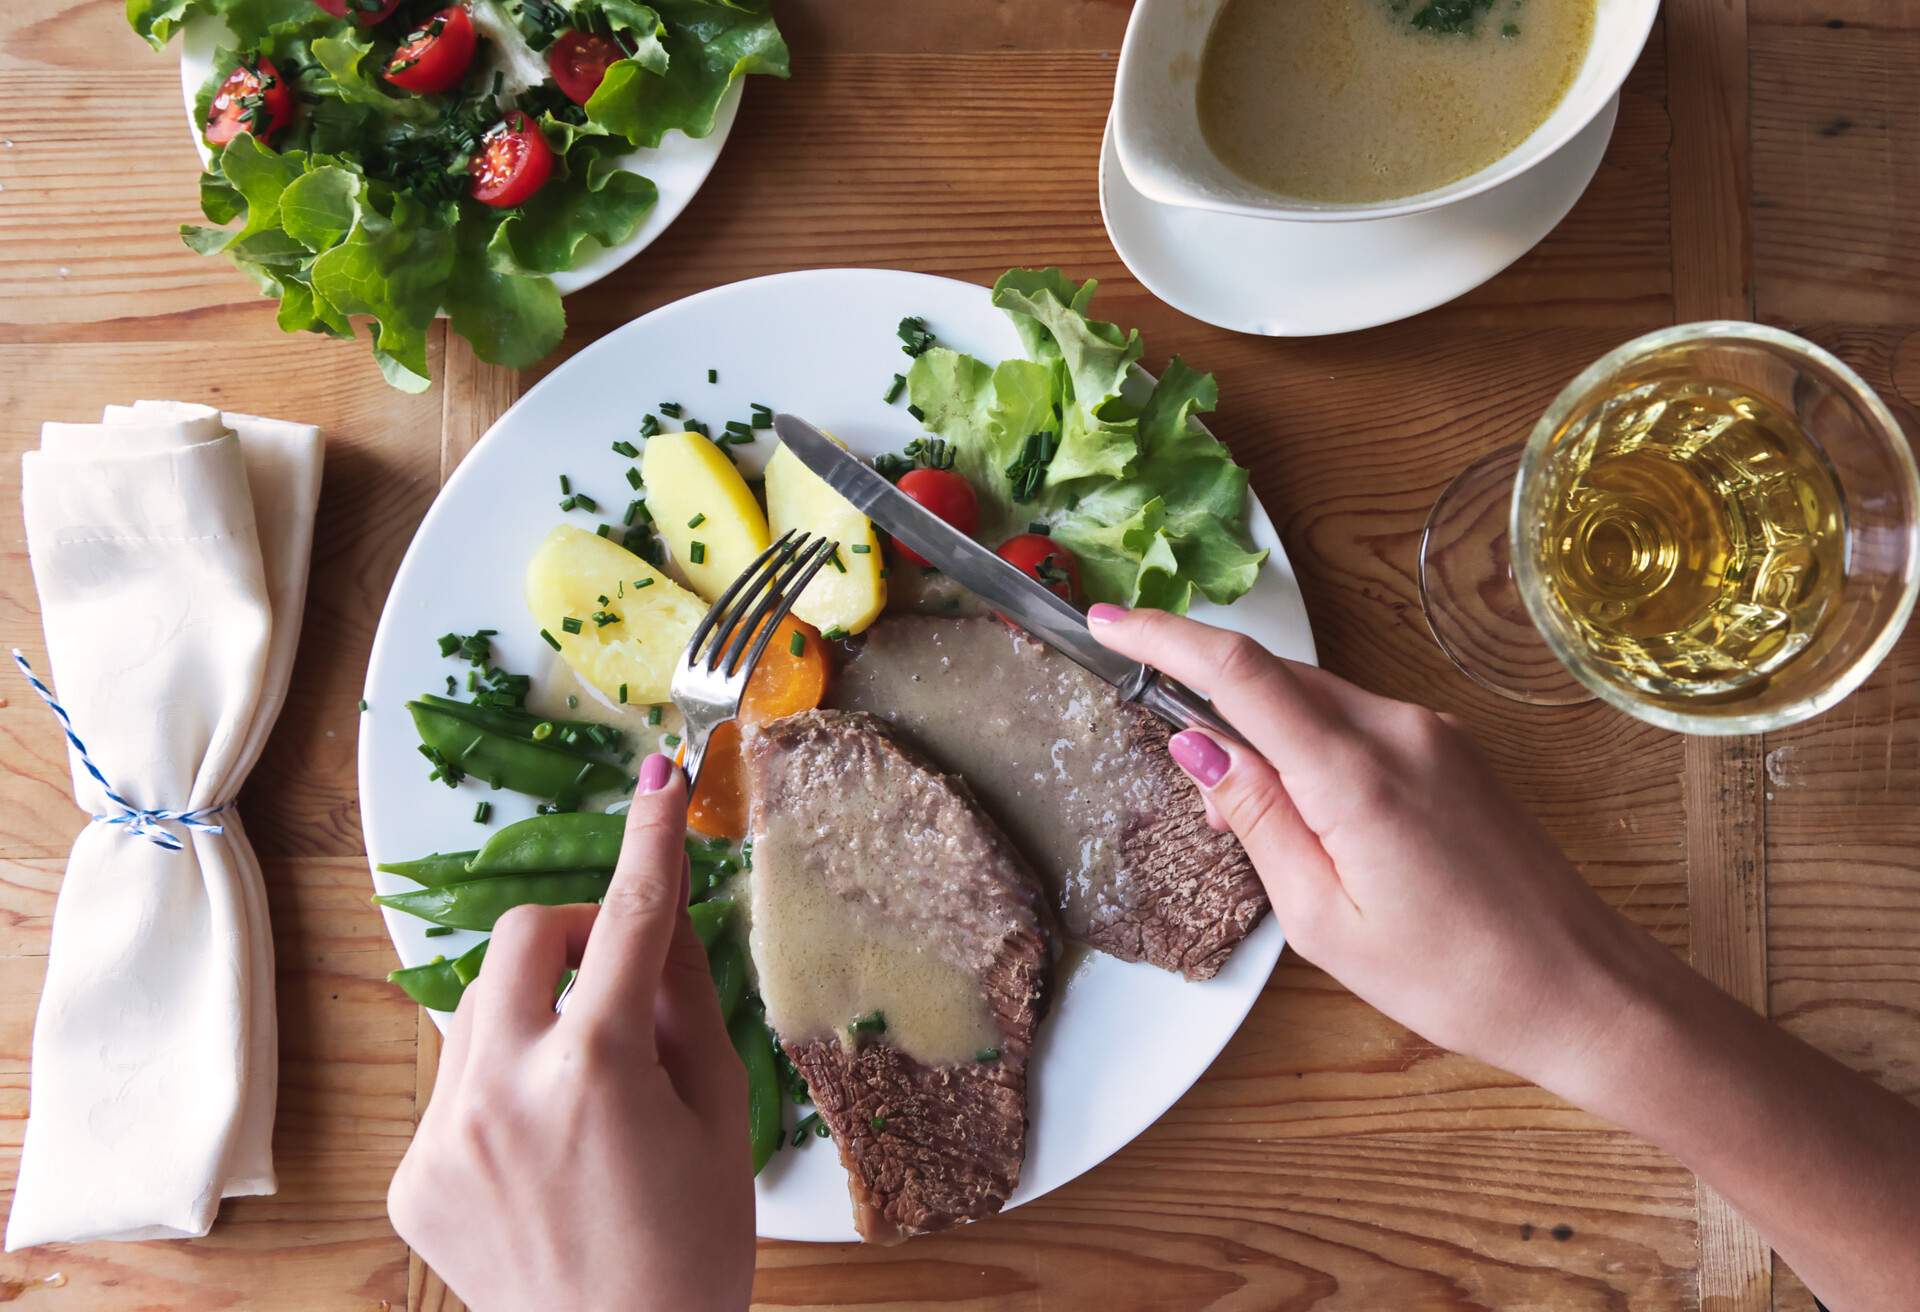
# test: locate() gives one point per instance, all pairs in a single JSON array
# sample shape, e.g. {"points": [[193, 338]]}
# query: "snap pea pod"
{"points": [[569, 841], [434, 870], [754, 1043], [478, 903], [581, 737], [709, 918], [528, 767], [439, 984], [729, 967]]}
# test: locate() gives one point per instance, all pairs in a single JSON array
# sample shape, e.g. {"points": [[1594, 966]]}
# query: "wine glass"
{"points": [[1714, 528]]}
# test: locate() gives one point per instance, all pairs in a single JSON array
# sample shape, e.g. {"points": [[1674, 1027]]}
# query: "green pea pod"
{"points": [[709, 918], [433, 871], [478, 903], [439, 984], [754, 1043], [581, 737], [729, 966], [568, 841], [526, 767]]}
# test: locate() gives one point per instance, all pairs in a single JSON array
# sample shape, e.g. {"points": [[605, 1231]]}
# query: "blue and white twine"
{"points": [[147, 822]]}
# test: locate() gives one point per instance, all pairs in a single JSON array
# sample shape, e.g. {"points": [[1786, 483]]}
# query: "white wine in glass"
{"points": [[1714, 528]]}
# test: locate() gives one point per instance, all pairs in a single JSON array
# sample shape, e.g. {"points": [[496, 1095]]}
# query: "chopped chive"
{"points": [[713, 375], [760, 409], [642, 583], [671, 409], [570, 624], [835, 634], [569, 502], [441, 931], [894, 388], [878, 1123], [672, 740], [602, 618], [797, 644], [449, 643], [761, 419], [633, 508], [623, 694], [605, 530], [625, 448], [987, 1054], [649, 426], [633, 478], [860, 549], [874, 1022], [914, 337], [883, 571], [697, 521], [451, 686], [585, 502], [604, 599], [917, 412], [653, 715], [551, 641], [833, 559], [1040, 527], [738, 427], [695, 426], [566, 485], [543, 731], [573, 702], [697, 553], [481, 810]]}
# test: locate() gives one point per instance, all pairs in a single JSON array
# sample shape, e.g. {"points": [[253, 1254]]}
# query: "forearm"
{"points": [[1824, 1162]]}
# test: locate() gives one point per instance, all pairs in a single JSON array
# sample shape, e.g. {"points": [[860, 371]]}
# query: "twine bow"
{"points": [[146, 822]]}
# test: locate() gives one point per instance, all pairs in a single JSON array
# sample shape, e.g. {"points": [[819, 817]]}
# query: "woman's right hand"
{"points": [[1395, 859]]}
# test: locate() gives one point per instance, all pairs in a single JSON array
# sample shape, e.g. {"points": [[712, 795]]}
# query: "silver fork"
{"points": [[713, 671]]}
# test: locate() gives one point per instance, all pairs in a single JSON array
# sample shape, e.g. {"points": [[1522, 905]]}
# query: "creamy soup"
{"points": [[1369, 100]]}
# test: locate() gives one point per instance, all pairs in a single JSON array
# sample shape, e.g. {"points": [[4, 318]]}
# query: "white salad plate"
{"points": [[1122, 1041], [1282, 278], [677, 166]]}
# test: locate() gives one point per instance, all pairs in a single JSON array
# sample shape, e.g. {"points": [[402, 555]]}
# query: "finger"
{"points": [[692, 1034], [1243, 790], [531, 947], [1302, 719], [620, 969]]}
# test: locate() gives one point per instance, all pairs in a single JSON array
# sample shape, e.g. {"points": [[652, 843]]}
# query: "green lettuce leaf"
{"points": [[1151, 503], [707, 46], [512, 318], [394, 269], [596, 200]]}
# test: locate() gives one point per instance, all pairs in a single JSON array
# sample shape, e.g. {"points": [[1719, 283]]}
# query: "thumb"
{"points": [[1243, 791]]}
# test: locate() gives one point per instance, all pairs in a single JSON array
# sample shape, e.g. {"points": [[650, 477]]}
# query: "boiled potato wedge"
{"points": [[847, 597], [566, 578], [695, 495]]}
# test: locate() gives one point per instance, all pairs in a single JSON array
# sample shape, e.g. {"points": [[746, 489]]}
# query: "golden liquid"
{"points": [[1693, 538]]}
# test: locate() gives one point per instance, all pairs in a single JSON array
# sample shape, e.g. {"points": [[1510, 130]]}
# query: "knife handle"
{"points": [[1182, 707]]}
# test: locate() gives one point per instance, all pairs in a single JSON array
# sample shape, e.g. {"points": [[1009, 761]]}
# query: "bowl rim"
{"points": [[1155, 183]]}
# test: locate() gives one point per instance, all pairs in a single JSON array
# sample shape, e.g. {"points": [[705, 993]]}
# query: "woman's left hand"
{"points": [[597, 1158]]}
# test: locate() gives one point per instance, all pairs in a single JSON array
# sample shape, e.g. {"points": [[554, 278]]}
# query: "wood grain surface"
{"points": [[1766, 164]]}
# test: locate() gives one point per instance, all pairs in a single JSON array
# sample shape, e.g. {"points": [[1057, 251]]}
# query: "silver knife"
{"points": [[1017, 595]]}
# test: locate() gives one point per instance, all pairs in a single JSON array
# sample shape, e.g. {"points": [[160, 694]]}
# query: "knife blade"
{"points": [[1017, 595]]}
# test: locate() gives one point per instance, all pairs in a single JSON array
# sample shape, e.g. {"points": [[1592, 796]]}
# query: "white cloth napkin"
{"points": [[170, 547]]}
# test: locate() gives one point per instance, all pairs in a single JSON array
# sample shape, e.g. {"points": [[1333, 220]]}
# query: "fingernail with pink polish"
{"points": [[1105, 612], [654, 773], [1200, 756]]}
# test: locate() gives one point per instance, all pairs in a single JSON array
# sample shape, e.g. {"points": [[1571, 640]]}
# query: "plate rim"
{"points": [[1266, 942]]}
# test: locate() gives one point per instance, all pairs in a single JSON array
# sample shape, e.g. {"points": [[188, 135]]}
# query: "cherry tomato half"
{"points": [[436, 55], [1040, 557], [254, 98], [947, 495], [579, 60], [513, 162], [364, 12]]}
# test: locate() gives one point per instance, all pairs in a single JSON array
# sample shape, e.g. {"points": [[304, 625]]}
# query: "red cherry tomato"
{"points": [[253, 99], [579, 60], [947, 495], [1040, 557], [436, 55], [364, 12], [513, 162]]}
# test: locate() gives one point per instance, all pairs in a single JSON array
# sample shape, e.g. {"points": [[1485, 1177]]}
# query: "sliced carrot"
{"points": [[785, 682]]}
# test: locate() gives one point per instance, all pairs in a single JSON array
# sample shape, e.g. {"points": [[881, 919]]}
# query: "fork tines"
{"points": [[754, 604]]}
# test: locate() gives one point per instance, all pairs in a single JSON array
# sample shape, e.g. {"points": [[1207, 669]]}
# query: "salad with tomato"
{"points": [[399, 159]]}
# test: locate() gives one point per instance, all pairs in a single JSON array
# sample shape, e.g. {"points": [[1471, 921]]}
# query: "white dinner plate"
{"points": [[1123, 1041], [677, 166], [1288, 279]]}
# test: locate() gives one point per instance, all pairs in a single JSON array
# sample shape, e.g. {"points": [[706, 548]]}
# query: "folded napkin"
{"points": [[170, 546]]}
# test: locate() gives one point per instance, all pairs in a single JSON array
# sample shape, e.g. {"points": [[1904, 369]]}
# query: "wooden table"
{"points": [[1765, 166]]}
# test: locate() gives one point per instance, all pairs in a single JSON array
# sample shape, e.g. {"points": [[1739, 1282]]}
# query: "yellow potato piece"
{"points": [[690, 479], [850, 597], [568, 575]]}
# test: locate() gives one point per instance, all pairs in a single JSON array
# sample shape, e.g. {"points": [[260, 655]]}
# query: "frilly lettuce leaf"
{"points": [[1151, 503], [596, 201], [707, 46]]}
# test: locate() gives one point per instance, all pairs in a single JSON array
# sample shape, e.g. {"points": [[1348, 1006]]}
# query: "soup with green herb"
{"points": [[1369, 100]]}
